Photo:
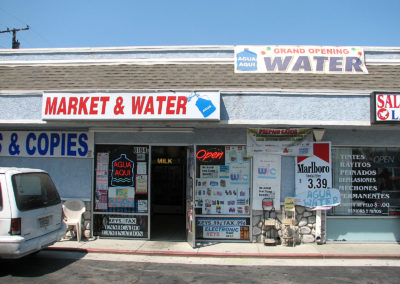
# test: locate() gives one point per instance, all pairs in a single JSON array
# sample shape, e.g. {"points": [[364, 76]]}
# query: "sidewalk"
{"points": [[161, 248]]}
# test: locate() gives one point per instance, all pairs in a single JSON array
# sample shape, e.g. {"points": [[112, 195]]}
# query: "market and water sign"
{"points": [[300, 59], [131, 106]]}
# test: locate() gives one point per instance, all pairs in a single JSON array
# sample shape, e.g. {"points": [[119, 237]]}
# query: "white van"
{"points": [[30, 212]]}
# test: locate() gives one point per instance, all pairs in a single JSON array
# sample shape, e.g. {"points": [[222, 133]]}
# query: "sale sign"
{"points": [[387, 106], [132, 106]]}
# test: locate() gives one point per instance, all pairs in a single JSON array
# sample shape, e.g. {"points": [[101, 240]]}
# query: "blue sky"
{"points": [[90, 23]]}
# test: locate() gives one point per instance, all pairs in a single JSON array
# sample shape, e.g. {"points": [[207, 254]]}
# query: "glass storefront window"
{"points": [[121, 191], [222, 180], [368, 179]]}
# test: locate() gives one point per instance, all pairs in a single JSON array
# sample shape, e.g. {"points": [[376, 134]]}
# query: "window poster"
{"points": [[141, 184], [313, 179], [121, 178], [368, 179], [266, 180], [222, 183], [223, 228], [101, 190], [122, 226]]}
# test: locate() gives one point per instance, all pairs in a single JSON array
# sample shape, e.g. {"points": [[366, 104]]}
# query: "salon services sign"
{"points": [[300, 59], [131, 106]]}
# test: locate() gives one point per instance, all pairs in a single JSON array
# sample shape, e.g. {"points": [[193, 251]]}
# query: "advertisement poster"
{"points": [[289, 142], [101, 190], [223, 228], [123, 226], [209, 171], [121, 197], [141, 184], [142, 206], [313, 178], [300, 59], [266, 180]]}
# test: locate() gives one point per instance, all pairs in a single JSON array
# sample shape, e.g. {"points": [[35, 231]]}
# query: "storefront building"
{"points": [[204, 143]]}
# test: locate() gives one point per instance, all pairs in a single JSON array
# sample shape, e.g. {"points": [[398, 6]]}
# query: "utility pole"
{"points": [[15, 42]]}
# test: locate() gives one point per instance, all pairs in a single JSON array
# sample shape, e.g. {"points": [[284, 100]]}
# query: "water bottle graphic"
{"points": [[204, 104], [246, 61], [122, 171]]}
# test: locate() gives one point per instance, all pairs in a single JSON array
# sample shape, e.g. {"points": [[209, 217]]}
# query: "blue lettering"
{"points": [[277, 62], [29, 150], [71, 143], [82, 142], [43, 139], [335, 64], [320, 62], [63, 145], [54, 142], [302, 63], [353, 63]]}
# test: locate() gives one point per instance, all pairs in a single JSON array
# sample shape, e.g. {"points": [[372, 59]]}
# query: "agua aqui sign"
{"points": [[131, 106], [300, 59]]}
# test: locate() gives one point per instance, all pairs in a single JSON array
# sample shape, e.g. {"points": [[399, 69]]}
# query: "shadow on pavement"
{"points": [[36, 265]]}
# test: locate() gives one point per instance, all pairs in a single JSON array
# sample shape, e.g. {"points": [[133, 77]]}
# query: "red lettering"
{"points": [[124, 173], [149, 106], [171, 104], [380, 101], [82, 105], [51, 106], [93, 105], [160, 100], [104, 101], [181, 105], [388, 102], [122, 164], [205, 155], [72, 105], [137, 105], [62, 108]]}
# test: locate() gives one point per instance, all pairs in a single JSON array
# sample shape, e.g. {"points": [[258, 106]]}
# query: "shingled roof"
{"points": [[167, 76]]}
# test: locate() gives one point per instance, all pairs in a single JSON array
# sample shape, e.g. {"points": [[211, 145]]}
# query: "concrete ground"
{"points": [[255, 250]]}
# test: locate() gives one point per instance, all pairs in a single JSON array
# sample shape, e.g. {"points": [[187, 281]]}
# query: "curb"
{"points": [[228, 254]]}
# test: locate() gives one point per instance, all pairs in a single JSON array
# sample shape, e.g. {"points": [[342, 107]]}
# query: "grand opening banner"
{"points": [[300, 59]]}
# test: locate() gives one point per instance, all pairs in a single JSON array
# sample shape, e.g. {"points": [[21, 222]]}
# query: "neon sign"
{"points": [[204, 155], [122, 172]]}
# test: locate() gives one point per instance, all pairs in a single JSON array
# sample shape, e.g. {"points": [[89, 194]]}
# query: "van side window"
{"points": [[34, 190]]}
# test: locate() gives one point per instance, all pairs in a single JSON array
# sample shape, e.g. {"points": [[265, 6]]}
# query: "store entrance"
{"points": [[168, 183]]}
